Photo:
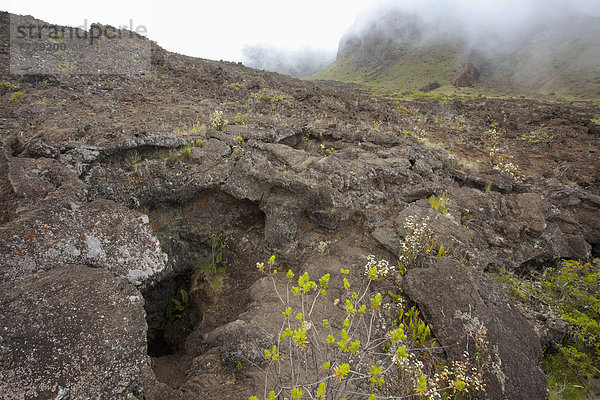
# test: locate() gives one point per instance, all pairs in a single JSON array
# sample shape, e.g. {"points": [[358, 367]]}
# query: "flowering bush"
{"points": [[417, 243], [492, 139], [218, 120]]}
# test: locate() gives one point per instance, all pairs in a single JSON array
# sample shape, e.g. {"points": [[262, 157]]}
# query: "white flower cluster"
{"points": [[417, 243], [460, 371], [218, 120], [413, 369], [375, 269], [508, 169]]}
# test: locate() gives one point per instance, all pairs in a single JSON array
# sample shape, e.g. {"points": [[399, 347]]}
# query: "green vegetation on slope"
{"points": [[420, 66], [561, 63], [573, 290]]}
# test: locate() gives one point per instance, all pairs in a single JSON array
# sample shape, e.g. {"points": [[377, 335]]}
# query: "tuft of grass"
{"points": [[562, 385], [186, 151], [440, 204], [196, 129], [539, 136]]}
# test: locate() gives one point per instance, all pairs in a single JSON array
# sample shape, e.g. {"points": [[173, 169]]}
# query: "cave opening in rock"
{"points": [[203, 238], [169, 314]]}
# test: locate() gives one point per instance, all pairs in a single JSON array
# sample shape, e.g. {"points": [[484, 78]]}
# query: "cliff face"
{"points": [[386, 38], [467, 77]]}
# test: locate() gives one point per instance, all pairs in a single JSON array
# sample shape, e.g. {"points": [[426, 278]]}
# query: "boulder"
{"points": [[72, 333], [100, 234], [430, 86], [457, 301]]}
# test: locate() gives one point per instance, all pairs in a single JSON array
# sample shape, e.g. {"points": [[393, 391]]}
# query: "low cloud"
{"points": [[300, 62]]}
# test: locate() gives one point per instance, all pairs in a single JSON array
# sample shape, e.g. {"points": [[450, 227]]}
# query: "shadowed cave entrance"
{"points": [[209, 242]]}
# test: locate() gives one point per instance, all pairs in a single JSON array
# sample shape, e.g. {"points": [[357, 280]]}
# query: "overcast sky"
{"points": [[213, 29], [218, 29]]}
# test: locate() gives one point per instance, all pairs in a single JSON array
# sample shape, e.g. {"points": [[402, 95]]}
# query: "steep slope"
{"points": [[398, 50]]}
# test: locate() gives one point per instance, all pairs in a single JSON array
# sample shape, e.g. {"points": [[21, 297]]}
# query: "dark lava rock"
{"points": [[457, 300], [73, 330], [430, 86], [100, 234]]}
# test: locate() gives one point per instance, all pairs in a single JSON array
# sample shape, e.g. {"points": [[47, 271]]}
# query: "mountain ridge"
{"points": [[403, 51]]}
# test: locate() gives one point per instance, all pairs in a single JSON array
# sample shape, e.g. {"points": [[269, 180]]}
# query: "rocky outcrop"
{"points": [[459, 303], [74, 332], [99, 234], [430, 86], [469, 76]]}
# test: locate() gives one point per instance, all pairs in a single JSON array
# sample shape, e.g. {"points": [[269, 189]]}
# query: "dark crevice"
{"points": [[200, 237]]}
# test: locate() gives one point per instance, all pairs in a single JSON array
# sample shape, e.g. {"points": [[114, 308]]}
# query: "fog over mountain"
{"points": [[523, 47], [495, 27], [386, 29]]}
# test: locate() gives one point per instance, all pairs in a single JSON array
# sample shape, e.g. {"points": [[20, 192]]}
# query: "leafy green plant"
{"points": [[240, 140], [195, 129], [492, 138], [377, 125], [66, 67], [324, 150], [216, 254], [273, 98], [7, 87], [353, 352], [240, 119], [418, 242], [198, 143], [440, 204], [186, 151], [237, 86], [539, 136], [574, 289], [177, 306], [198, 128]]}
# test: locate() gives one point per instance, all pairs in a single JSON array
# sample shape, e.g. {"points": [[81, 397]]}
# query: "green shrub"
{"points": [[7, 87], [240, 118], [273, 98], [440, 204], [539, 136], [356, 353], [573, 290], [418, 242], [17, 96], [237, 86]]}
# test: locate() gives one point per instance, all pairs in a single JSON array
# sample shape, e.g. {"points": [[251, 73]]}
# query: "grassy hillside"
{"points": [[420, 66], [552, 62]]}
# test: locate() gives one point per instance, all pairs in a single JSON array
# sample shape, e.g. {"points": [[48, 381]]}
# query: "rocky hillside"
{"points": [[406, 50], [133, 217]]}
